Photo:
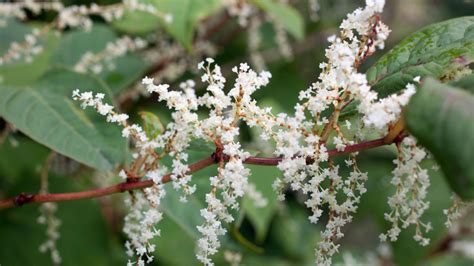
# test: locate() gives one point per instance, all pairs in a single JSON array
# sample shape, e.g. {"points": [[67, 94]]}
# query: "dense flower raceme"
{"points": [[77, 15], [300, 139]]}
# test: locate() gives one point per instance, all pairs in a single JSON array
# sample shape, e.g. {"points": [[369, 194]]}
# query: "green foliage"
{"points": [[47, 114], [21, 73], [185, 16], [73, 45], [260, 217], [152, 124], [448, 260], [289, 18], [139, 22], [441, 50], [442, 118], [466, 83], [85, 237]]}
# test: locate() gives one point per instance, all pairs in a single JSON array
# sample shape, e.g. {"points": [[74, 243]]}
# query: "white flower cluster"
{"points": [[53, 223], [144, 212], [88, 99], [140, 223], [96, 62], [299, 138], [281, 38], [25, 50], [314, 8], [301, 141], [79, 15], [241, 9], [254, 42], [463, 247], [248, 16], [408, 203], [73, 16], [221, 128], [18, 9], [456, 212], [233, 258], [387, 110]]}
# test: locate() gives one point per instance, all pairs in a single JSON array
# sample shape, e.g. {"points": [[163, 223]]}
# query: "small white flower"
{"points": [[122, 174]]}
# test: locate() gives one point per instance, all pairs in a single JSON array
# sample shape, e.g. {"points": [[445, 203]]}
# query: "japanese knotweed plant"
{"points": [[303, 142]]}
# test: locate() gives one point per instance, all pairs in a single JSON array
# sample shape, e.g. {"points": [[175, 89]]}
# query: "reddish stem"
{"points": [[127, 186]]}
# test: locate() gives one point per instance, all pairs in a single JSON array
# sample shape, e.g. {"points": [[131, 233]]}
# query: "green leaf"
{"points": [[285, 14], [19, 72], [441, 117], [262, 177], [127, 68], [152, 124], [47, 114], [185, 13], [138, 22], [441, 50], [76, 43]]}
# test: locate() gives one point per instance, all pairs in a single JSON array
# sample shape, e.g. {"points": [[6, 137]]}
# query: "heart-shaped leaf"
{"points": [[47, 114]]}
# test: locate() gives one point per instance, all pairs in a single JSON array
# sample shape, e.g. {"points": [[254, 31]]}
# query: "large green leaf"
{"points": [[441, 117], [439, 50], [19, 72], [289, 18], [47, 114], [128, 68], [185, 16]]}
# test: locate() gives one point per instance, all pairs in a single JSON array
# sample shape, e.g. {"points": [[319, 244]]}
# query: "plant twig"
{"points": [[127, 186]]}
